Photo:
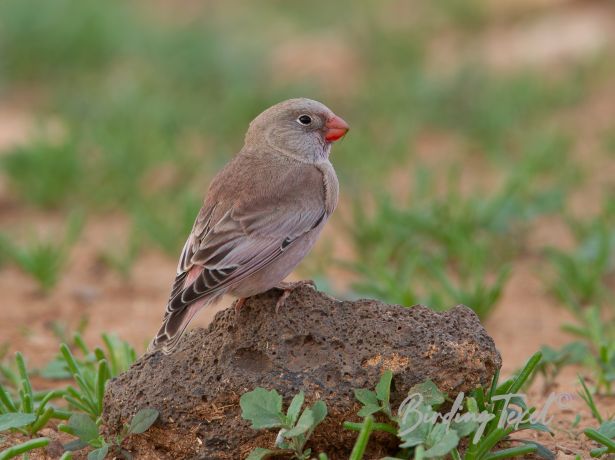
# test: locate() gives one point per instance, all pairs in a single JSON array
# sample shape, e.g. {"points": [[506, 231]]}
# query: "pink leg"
{"points": [[238, 304]]}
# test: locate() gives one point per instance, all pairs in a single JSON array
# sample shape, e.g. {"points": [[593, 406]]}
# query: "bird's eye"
{"points": [[304, 120]]}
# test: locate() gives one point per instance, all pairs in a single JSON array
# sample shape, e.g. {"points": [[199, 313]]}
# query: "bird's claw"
{"points": [[238, 304]]}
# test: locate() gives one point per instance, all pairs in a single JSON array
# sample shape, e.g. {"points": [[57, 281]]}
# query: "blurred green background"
{"points": [[483, 137]]}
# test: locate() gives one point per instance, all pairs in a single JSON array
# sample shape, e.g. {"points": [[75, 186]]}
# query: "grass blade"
{"points": [[22, 448], [602, 439], [6, 400], [41, 421], [375, 427], [102, 375], [511, 452], [361, 443]]}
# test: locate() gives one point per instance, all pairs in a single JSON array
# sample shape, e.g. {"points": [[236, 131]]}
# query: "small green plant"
{"points": [[605, 434], [264, 409], [553, 361], [44, 259], [594, 348], [43, 173], [411, 266], [581, 273], [91, 384], [62, 331], [597, 330], [449, 249], [29, 412], [92, 372], [86, 430], [427, 440], [118, 353], [422, 436], [587, 396], [24, 447], [122, 260]]}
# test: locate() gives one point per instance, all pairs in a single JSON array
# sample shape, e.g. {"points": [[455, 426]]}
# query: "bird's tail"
{"points": [[172, 329]]}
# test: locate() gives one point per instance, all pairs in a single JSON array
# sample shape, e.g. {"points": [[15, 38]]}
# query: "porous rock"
{"points": [[314, 343]]}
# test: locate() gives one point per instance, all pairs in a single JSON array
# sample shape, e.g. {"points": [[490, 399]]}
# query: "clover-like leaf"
{"points": [[370, 401], [304, 424], [383, 388], [77, 444], [414, 425], [608, 429], [99, 454], [15, 420], [472, 405], [263, 408], [310, 418], [295, 408], [142, 420], [83, 427], [440, 440], [368, 409], [432, 396], [319, 410], [366, 397], [464, 428]]}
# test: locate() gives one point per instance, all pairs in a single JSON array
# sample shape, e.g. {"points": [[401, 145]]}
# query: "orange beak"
{"points": [[335, 128]]}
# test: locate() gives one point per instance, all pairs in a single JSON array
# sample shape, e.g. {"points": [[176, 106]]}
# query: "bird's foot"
{"points": [[288, 287], [238, 304]]}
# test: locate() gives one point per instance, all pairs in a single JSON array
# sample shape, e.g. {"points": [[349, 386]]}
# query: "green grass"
{"points": [[44, 259], [26, 411], [593, 348], [581, 274], [609, 142], [53, 40], [45, 173], [595, 327], [23, 410], [443, 249], [24, 447], [604, 435]]}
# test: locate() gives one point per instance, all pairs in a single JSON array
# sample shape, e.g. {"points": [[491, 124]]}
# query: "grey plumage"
{"points": [[262, 214]]}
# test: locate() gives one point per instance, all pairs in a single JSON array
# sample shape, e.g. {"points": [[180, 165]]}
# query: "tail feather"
{"points": [[172, 329]]}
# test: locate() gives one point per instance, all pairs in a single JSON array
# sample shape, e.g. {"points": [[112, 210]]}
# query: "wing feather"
{"points": [[234, 237]]}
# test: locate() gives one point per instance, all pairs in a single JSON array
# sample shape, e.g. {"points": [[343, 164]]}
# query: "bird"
{"points": [[261, 215]]}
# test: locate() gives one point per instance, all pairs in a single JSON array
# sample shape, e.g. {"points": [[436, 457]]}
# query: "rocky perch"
{"points": [[315, 343]]}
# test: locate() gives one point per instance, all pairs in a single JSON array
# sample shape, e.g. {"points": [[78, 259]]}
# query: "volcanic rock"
{"points": [[315, 343]]}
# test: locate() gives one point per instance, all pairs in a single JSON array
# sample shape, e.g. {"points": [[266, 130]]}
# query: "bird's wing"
{"points": [[238, 233], [231, 242]]}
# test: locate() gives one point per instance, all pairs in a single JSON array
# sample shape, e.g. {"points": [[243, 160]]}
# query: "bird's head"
{"points": [[300, 128]]}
